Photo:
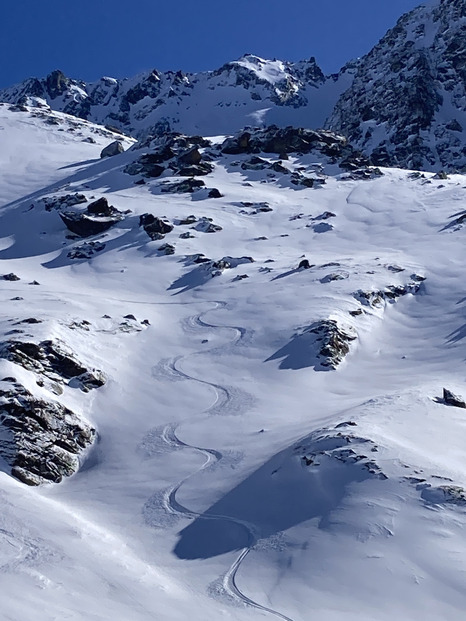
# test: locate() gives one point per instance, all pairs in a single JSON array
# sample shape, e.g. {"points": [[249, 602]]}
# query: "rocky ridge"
{"points": [[406, 105]]}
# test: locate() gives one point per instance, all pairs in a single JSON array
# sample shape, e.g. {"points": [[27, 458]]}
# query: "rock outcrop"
{"points": [[42, 441], [99, 217], [52, 360], [334, 341]]}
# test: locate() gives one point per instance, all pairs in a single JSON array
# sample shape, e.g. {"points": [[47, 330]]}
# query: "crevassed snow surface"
{"points": [[223, 484]]}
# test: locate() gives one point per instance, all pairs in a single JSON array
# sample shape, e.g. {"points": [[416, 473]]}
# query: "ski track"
{"points": [[225, 397]]}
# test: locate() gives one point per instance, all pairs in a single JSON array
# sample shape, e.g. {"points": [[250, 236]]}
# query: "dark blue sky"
{"points": [[91, 38]]}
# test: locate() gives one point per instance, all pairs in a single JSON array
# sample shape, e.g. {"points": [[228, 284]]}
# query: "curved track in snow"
{"points": [[223, 403]]}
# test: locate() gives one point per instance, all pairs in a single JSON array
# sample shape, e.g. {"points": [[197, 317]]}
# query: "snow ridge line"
{"points": [[170, 437]]}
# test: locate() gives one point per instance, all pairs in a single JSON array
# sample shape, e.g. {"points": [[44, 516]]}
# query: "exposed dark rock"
{"points": [[198, 258], [452, 399], [188, 220], [61, 202], [101, 207], [187, 185], [148, 165], [154, 227], [231, 262], [255, 163], [394, 107], [296, 140], [457, 223], [376, 299], [279, 168], [325, 216], [11, 277], [360, 174], [186, 235], [341, 446], [52, 360], [192, 157], [334, 342], [304, 264], [99, 217], [57, 83], [202, 169], [261, 207], [86, 250], [167, 249], [214, 193], [42, 440], [114, 148]]}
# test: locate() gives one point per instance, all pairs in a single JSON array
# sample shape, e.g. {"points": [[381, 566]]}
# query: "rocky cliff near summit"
{"points": [[406, 106]]}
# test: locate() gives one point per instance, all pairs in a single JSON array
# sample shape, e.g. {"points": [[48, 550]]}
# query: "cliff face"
{"points": [[406, 106]]}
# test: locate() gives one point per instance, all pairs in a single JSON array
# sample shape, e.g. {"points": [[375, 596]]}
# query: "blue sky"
{"points": [[91, 38]]}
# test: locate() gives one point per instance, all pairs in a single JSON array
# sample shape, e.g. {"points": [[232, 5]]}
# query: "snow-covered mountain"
{"points": [[249, 91], [403, 104], [407, 104], [232, 376], [222, 374]]}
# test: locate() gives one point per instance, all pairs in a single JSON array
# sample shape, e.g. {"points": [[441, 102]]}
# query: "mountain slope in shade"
{"points": [[272, 438]]}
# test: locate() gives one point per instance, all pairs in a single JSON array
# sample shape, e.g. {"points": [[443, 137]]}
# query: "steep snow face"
{"points": [[249, 91], [406, 106], [271, 438]]}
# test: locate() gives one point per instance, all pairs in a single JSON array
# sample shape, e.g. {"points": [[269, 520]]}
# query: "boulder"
{"points": [[154, 227], [194, 170], [451, 399], [99, 217], [114, 148], [191, 157], [148, 165]]}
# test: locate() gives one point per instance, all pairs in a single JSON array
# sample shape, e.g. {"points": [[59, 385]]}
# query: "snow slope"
{"points": [[235, 475]]}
